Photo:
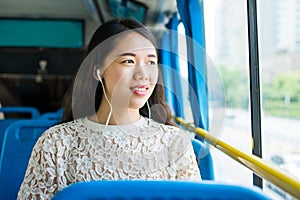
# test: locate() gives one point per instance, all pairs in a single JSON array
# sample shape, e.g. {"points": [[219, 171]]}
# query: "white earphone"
{"points": [[99, 75], [110, 106]]}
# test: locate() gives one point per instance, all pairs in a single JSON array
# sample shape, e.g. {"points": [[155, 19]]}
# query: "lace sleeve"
{"points": [[40, 178], [185, 159]]}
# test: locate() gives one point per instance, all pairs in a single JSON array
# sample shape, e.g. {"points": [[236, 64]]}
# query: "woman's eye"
{"points": [[151, 63], [128, 61]]}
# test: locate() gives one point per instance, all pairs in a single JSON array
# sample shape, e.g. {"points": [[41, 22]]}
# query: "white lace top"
{"points": [[83, 150]]}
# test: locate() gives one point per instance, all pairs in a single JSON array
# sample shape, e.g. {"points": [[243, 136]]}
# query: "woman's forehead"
{"points": [[133, 42]]}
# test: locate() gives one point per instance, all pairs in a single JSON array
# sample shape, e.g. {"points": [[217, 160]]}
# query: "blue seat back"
{"points": [[204, 160], [57, 116], [3, 126], [154, 190], [19, 139], [21, 109], [4, 123]]}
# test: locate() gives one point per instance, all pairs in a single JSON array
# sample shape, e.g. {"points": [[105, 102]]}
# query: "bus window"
{"points": [[188, 115], [227, 47], [279, 39]]}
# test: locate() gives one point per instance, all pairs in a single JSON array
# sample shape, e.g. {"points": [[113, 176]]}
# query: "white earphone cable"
{"points": [[104, 92], [149, 112]]}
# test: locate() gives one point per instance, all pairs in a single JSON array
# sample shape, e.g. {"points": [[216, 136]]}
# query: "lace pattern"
{"points": [[82, 151]]}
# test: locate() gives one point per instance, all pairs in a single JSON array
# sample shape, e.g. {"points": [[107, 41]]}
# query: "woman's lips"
{"points": [[140, 90]]}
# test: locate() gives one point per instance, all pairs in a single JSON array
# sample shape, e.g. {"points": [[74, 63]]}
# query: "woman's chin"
{"points": [[137, 104]]}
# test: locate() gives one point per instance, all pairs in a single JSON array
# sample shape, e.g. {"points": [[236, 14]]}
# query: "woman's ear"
{"points": [[97, 73]]}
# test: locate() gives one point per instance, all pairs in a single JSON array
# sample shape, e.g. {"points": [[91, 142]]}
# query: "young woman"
{"points": [[116, 122]]}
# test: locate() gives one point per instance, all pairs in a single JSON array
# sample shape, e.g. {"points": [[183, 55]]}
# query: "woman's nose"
{"points": [[141, 73]]}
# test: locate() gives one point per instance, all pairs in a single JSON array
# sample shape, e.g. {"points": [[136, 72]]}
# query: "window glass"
{"points": [[183, 64], [279, 53], [227, 52]]}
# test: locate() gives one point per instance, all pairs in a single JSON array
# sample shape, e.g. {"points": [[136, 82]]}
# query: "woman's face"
{"points": [[131, 72]]}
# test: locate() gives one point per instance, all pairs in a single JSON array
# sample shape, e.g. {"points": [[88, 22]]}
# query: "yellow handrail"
{"points": [[254, 163]]}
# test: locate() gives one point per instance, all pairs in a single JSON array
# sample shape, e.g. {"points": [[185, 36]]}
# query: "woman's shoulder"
{"points": [[173, 131], [176, 138], [71, 124], [61, 130]]}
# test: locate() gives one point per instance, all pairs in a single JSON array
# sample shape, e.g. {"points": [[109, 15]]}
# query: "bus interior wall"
{"points": [[37, 77]]}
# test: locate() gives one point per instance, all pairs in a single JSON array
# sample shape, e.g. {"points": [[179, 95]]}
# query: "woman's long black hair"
{"points": [[84, 84]]}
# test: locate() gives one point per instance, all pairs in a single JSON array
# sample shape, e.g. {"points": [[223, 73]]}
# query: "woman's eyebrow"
{"points": [[152, 55], [127, 54], [133, 55]]}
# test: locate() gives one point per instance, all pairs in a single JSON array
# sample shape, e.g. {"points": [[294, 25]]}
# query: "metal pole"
{"points": [[254, 84]]}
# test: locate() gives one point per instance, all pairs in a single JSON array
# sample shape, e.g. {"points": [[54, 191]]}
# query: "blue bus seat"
{"points": [[154, 190], [57, 116], [4, 123], [21, 109], [19, 139], [3, 126], [204, 160]]}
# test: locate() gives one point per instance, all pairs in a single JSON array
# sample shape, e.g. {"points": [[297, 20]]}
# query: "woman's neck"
{"points": [[119, 116]]}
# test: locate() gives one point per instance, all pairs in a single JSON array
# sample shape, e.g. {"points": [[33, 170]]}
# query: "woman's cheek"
{"points": [[154, 76]]}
